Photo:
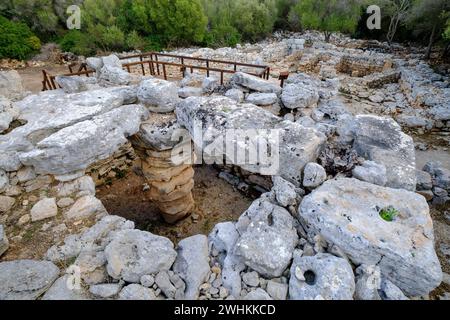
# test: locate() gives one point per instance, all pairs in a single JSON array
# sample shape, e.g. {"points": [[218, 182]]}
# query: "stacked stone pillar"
{"points": [[170, 184]]}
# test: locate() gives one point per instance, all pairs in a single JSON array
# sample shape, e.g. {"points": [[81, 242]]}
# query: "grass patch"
{"points": [[389, 214]]}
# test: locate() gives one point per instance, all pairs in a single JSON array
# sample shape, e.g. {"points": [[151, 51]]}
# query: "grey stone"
{"points": [[368, 283], [440, 175], [106, 290], [4, 180], [262, 99], [85, 207], [92, 267], [65, 202], [224, 236], [192, 264], [64, 290], [296, 96], [251, 279], [73, 84], [255, 83], [346, 212], [136, 292], [26, 174], [11, 85], [186, 92], [257, 295], [323, 277], [147, 281], [6, 203], [209, 84], [5, 121], [4, 243], [424, 181], [285, 192], [268, 238], [83, 185], [278, 291], [235, 94], [298, 145], [133, 253], [44, 209], [371, 172], [390, 291], [93, 239], [314, 175], [162, 280], [26, 279], [382, 140], [192, 80], [158, 95], [232, 267]]}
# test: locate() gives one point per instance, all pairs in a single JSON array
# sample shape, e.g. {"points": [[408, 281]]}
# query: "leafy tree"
{"points": [[328, 16], [38, 14], [77, 42], [398, 11], [427, 18], [17, 40]]}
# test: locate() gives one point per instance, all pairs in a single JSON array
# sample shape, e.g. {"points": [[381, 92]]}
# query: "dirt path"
{"points": [[32, 76]]}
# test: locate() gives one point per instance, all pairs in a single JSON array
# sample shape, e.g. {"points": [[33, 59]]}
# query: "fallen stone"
{"points": [[324, 276], [11, 86], [381, 140], [278, 291], [26, 279], [133, 254], [235, 94], [163, 282], [285, 192], [346, 212], [255, 83], [64, 289], [186, 92], [371, 172], [209, 84], [251, 279], [268, 238], [192, 264], [224, 236], [105, 291], [424, 181], [297, 96], [6, 203], [158, 95], [92, 267], [44, 209], [262, 99], [314, 175], [65, 202], [147, 281], [136, 292], [26, 174], [85, 207]]}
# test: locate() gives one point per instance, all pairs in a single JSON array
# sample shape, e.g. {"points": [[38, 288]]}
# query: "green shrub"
{"points": [[135, 42], [16, 40], [223, 35], [389, 214], [77, 42], [113, 38]]}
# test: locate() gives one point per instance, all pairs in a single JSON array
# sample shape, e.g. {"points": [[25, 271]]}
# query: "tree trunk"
{"points": [[430, 44], [446, 50], [327, 36]]}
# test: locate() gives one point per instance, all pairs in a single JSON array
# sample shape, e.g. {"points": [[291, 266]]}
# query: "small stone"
{"points": [[163, 281], [137, 292], [213, 291], [24, 219], [85, 207], [251, 279], [44, 209], [223, 292], [147, 281], [276, 290], [105, 291], [314, 175], [6, 203], [65, 202]]}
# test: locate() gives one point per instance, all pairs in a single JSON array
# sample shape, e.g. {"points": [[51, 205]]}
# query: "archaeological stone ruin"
{"points": [[349, 197]]}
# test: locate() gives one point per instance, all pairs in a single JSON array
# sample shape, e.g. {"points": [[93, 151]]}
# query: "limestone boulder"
{"points": [[133, 254], [26, 279], [255, 83], [158, 95], [349, 214]]}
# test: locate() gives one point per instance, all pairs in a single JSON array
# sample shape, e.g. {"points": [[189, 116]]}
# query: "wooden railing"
{"points": [[153, 63]]}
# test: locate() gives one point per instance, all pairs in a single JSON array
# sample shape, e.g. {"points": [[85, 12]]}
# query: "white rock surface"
{"points": [[346, 212], [158, 95], [44, 209], [134, 253]]}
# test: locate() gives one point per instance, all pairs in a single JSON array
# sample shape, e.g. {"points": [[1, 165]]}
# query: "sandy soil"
{"points": [[32, 77]]}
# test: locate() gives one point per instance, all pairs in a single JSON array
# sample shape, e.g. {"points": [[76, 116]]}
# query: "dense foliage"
{"points": [[16, 40], [115, 25]]}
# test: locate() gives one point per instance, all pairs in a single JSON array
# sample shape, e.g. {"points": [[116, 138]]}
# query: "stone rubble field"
{"points": [[346, 217]]}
